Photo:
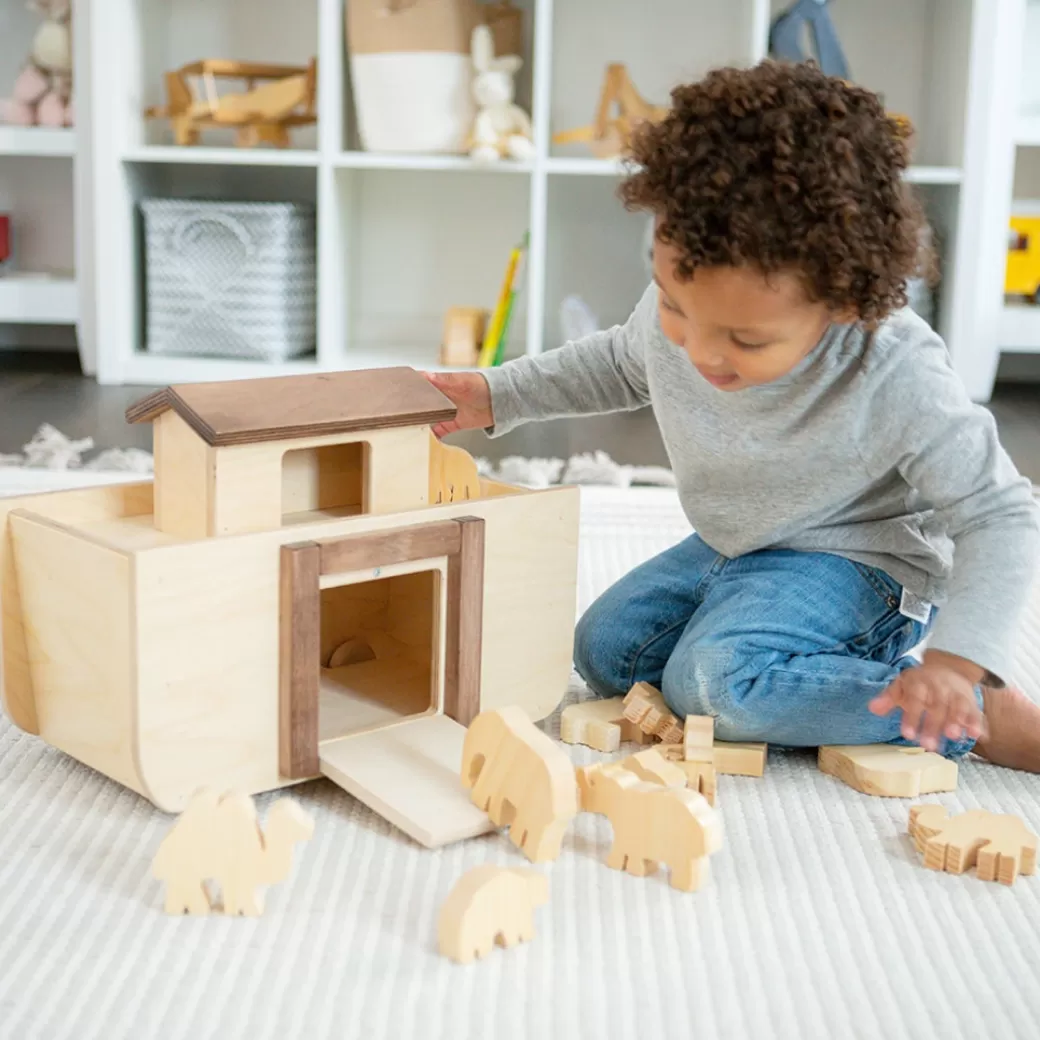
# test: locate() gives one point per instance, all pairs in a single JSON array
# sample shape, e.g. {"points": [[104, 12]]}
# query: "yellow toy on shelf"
{"points": [[1023, 263]]}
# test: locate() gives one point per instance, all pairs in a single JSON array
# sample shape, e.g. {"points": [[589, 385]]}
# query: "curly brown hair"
{"points": [[783, 168]]}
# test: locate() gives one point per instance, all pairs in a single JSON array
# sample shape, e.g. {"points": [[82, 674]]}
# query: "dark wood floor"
{"points": [[35, 389]]}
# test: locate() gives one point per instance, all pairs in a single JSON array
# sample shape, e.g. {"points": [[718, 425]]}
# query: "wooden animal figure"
{"points": [[649, 766], [521, 779], [654, 824], [453, 474], [600, 725], [249, 857], [1001, 845], [699, 739], [185, 857], [889, 770], [700, 776], [654, 768], [490, 905], [645, 707], [218, 839]]}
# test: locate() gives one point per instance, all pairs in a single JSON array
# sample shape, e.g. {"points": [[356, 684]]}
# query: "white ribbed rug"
{"points": [[819, 921]]}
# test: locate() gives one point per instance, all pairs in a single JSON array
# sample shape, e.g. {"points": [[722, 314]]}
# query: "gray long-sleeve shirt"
{"points": [[869, 448]]}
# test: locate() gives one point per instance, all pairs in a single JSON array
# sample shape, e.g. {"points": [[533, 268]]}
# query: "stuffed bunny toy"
{"points": [[43, 89], [501, 128]]}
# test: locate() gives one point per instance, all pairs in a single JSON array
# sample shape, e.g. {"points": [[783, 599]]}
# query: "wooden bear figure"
{"points": [[490, 905]]}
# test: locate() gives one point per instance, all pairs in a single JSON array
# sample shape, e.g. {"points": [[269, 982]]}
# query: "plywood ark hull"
{"points": [[155, 659]]}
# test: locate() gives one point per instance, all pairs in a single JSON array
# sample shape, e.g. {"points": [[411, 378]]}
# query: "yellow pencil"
{"points": [[490, 345]]}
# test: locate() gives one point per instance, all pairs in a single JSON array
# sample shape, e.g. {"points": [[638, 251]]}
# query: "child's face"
{"points": [[738, 328]]}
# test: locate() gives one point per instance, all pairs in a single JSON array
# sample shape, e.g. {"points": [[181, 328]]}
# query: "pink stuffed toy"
{"points": [[42, 93]]}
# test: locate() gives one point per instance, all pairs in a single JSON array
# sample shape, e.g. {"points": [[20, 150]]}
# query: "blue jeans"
{"points": [[778, 646]]}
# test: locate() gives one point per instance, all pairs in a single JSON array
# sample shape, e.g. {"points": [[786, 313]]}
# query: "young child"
{"points": [[848, 498]]}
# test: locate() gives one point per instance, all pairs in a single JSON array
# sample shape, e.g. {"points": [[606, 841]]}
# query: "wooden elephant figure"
{"points": [[521, 779], [654, 824], [490, 905]]}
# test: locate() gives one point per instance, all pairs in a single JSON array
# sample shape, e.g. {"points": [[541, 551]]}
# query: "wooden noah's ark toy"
{"points": [[312, 585]]}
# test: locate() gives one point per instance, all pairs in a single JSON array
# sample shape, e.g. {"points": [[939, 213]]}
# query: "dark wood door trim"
{"points": [[299, 661], [302, 567]]}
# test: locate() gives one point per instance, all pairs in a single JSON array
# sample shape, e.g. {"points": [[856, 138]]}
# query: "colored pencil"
{"points": [[491, 339]]}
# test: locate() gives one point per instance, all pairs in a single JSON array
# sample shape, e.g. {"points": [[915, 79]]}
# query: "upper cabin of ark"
{"points": [[256, 455]]}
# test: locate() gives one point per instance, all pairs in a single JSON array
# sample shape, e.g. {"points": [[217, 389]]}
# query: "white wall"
{"points": [[1030, 84]]}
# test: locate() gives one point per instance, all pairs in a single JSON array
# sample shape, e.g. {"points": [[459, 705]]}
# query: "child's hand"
{"points": [[937, 699], [470, 394]]}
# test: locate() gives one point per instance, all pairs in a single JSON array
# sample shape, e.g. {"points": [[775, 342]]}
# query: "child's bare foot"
{"points": [[1014, 730]]}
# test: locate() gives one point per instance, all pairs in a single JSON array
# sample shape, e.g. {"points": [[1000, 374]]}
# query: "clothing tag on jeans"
{"points": [[914, 607]]}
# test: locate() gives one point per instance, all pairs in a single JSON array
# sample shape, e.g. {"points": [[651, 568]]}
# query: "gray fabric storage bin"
{"points": [[230, 279]]}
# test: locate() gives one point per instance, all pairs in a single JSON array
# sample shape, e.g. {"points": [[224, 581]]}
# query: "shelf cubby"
{"points": [[417, 243], [589, 211], [167, 34], [916, 55], [37, 191]]}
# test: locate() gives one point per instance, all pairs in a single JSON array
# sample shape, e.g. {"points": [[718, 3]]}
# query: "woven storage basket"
{"points": [[229, 279]]}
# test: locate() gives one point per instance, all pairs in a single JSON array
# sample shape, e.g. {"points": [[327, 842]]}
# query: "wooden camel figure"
{"points": [[218, 838], [521, 779]]}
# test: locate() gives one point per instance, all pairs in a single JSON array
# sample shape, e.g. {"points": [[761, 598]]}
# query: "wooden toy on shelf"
{"points": [[186, 632], [276, 99], [653, 824], [490, 905], [607, 136], [645, 707], [217, 839], [522, 779], [889, 770], [1022, 274], [464, 329], [600, 725], [1001, 846]]}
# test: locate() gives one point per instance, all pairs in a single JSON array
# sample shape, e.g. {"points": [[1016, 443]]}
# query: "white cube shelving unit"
{"points": [[404, 237], [37, 190]]}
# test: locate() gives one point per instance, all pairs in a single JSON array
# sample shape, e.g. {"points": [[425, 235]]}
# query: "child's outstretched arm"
{"points": [[946, 448], [602, 373]]}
